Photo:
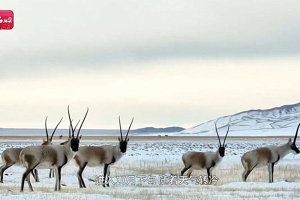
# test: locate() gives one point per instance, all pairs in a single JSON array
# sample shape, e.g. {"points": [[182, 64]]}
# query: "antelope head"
{"points": [[74, 141], [221, 146], [70, 134], [123, 142], [48, 140], [292, 145]]}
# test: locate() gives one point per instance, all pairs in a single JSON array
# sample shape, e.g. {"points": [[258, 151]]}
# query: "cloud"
{"points": [[94, 32]]}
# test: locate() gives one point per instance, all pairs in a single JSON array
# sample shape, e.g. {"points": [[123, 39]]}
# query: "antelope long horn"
{"points": [[120, 129], [82, 122], [227, 130], [296, 134], [217, 131], [55, 129], [70, 131], [129, 128], [70, 122], [76, 125], [70, 128], [46, 129]]}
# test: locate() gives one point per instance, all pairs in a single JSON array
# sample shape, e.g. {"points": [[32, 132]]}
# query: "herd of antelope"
{"points": [[55, 157]]}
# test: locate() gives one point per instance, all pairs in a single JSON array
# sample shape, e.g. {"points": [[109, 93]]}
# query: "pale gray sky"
{"points": [[163, 62]]}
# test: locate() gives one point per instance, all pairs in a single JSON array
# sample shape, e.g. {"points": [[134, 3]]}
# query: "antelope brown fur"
{"points": [[194, 160], [267, 156], [11, 157], [49, 157], [107, 155]]}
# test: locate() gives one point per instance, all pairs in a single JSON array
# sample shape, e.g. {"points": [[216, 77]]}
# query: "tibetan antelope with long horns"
{"points": [[194, 160], [107, 155], [51, 173], [11, 157], [49, 157], [267, 156]]}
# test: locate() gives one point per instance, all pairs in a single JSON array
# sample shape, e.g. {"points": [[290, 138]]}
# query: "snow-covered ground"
{"points": [[145, 172]]}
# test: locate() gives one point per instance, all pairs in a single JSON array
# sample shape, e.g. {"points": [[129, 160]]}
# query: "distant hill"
{"points": [[282, 120], [158, 130]]}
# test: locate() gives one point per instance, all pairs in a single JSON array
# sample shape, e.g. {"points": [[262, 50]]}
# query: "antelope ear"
{"points": [[225, 145], [80, 137], [290, 140], [127, 140], [119, 138]]}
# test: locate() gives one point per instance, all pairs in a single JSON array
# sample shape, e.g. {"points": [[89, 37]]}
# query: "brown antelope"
{"points": [[10, 156], [267, 156], [49, 157], [51, 174], [194, 160], [107, 155]]}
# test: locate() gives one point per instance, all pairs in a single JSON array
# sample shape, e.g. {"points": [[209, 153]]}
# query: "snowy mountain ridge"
{"points": [[281, 120]]}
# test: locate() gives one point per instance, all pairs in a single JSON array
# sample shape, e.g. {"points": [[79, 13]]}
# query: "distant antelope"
{"points": [[48, 141], [107, 155], [49, 157], [11, 157], [267, 156], [194, 160]]}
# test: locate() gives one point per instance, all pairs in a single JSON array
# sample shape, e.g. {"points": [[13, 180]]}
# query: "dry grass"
{"points": [[225, 173]]}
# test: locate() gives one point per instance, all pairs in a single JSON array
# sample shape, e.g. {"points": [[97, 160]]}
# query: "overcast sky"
{"points": [[166, 63]]}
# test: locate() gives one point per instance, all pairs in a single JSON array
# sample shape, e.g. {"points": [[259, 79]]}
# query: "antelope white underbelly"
{"points": [[45, 165], [197, 167], [94, 163], [262, 164]]}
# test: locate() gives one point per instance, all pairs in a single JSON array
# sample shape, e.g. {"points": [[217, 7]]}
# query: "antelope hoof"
{"points": [[107, 185]]}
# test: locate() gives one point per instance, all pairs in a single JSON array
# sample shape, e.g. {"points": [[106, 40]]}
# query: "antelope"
{"points": [[267, 156], [194, 160], [107, 155], [51, 173], [49, 157], [48, 141], [10, 156]]}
